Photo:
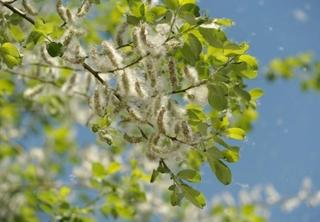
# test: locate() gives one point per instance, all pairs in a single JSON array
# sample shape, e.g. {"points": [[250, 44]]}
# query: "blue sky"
{"points": [[284, 145]]}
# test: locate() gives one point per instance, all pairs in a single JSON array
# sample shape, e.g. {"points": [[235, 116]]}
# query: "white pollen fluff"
{"points": [[199, 95], [114, 57]]}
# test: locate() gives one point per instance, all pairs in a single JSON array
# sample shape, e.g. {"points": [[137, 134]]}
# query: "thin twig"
{"points": [[188, 88], [18, 11], [128, 65], [93, 72]]}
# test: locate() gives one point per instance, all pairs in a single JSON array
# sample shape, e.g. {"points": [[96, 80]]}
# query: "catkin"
{"points": [[134, 114], [157, 104], [138, 89], [28, 7], [172, 74], [69, 15], [136, 36], [132, 139], [87, 82], [97, 102], [151, 75], [155, 139], [186, 130], [84, 8], [143, 35], [177, 128], [110, 52], [125, 82], [44, 56], [105, 136], [160, 120], [31, 93], [68, 37], [61, 10]]}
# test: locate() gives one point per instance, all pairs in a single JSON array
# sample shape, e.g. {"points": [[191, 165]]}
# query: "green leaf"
{"points": [[11, 61], [224, 22], [235, 133], [217, 96], [232, 49], [189, 175], [195, 114], [215, 153], [155, 13], [214, 37], [172, 4], [256, 93], [95, 1], [176, 197], [113, 168], [195, 45], [222, 171], [242, 93], [9, 49], [135, 7], [193, 195], [64, 192], [55, 49], [231, 154], [98, 170], [162, 168], [10, 54], [182, 2], [6, 86], [189, 12], [43, 27], [154, 176], [33, 38], [17, 33], [251, 66], [133, 20]]}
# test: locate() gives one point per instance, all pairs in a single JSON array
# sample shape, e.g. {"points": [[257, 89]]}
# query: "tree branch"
{"points": [[93, 72], [18, 11], [188, 88], [128, 65]]}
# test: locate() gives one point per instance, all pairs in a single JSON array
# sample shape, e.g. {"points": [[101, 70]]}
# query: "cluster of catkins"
{"points": [[139, 85], [139, 88]]}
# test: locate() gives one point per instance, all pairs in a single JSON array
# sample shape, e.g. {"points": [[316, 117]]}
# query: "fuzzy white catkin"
{"points": [[28, 7], [70, 16], [84, 8], [135, 114], [172, 74], [61, 10], [290, 204], [44, 55], [138, 42], [112, 54], [67, 38], [32, 92], [272, 195], [132, 139], [97, 102], [151, 72], [160, 120], [138, 89]]}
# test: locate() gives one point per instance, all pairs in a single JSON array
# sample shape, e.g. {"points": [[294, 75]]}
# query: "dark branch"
{"points": [[17, 11], [93, 72]]}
